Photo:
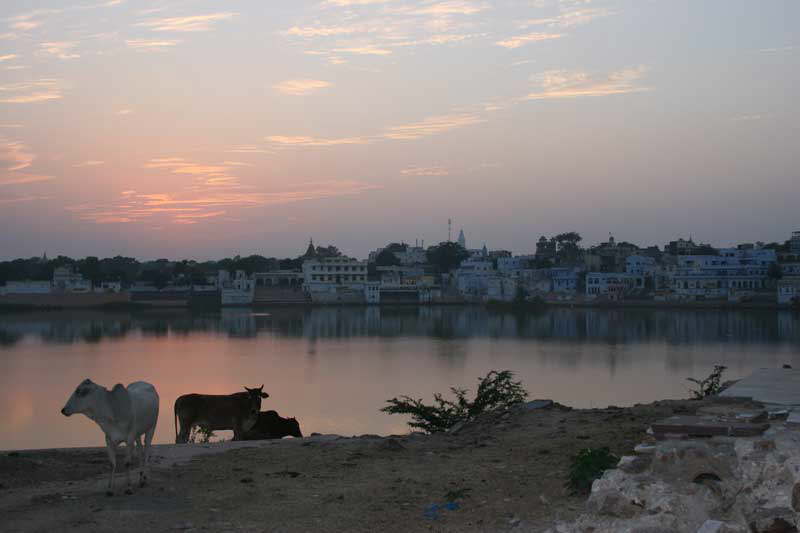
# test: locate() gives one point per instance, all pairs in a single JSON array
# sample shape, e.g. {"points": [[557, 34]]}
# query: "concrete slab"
{"points": [[773, 386]]}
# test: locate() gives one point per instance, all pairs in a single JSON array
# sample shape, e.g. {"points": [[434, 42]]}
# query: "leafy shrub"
{"points": [[200, 435], [588, 465], [496, 390], [708, 386]]}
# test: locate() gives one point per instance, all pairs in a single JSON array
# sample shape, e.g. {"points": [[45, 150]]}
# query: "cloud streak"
{"points": [[31, 92], [300, 87], [557, 84], [194, 23]]}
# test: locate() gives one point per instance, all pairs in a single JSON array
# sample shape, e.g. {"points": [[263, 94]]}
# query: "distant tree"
{"points": [[568, 249], [328, 251], [446, 256], [386, 258], [90, 268], [397, 247]]}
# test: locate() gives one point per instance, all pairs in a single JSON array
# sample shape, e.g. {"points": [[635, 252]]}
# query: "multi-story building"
{"points": [[511, 264], [472, 278], [66, 279], [611, 285], [339, 279], [734, 271], [789, 291], [794, 243], [564, 280], [641, 265]]}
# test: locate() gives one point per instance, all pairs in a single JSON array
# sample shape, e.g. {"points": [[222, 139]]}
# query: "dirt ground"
{"points": [[502, 472]]}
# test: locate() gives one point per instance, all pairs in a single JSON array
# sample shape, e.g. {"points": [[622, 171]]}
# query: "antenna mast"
{"points": [[449, 229]]}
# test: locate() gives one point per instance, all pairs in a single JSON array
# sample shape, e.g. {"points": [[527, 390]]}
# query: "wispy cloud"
{"points": [[8, 57], [30, 92], [60, 50], [415, 130], [300, 87], [315, 141], [432, 126], [425, 171], [21, 199], [151, 45], [521, 40], [15, 157], [124, 112], [247, 149], [569, 18], [555, 84], [187, 24], [194, 206], [90, 163], [32, 19]]}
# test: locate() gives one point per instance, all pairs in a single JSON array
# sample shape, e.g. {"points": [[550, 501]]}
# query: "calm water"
{"points": [[334, 368]]}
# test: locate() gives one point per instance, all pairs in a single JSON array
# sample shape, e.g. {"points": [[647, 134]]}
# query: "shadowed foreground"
{"points": [[505, 471]]}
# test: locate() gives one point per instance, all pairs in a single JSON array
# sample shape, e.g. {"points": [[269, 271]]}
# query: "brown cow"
{"points": [[271, 425], [237, 411]]}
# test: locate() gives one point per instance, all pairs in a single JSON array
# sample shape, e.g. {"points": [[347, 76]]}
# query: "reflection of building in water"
{"points": [[442, 322], [238, 322]]}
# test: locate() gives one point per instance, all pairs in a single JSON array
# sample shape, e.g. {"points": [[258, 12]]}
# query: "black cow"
{"points": [[237, 411], [270, 425]]}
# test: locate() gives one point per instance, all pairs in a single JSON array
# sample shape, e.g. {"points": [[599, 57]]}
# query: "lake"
{"points": [[334, 368]]}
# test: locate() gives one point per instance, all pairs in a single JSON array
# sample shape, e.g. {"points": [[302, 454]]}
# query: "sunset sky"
{"points": [[207, 128]]}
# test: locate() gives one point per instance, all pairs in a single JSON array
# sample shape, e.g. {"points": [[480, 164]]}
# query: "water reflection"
{"points": [[333, 368], [590, 325]]}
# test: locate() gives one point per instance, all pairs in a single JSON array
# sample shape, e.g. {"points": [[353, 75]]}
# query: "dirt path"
{"points": [[501, 472]]}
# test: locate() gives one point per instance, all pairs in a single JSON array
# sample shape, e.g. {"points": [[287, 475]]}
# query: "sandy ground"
{"points": [[504, 471]]}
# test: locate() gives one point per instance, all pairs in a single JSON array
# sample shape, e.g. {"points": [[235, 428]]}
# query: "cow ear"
{"points": [[264, 395], [248, 390]]}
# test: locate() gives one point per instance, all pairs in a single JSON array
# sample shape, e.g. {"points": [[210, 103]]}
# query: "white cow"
{"points": [[124, 415]]}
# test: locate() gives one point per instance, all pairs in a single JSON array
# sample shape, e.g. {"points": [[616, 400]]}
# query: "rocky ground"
{"points": [[502, 472]]}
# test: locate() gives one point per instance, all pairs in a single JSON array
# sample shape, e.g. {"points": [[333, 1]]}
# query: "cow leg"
{"points": [[140, 455], [148, 439], [112, 456], [128, 455], [186, 427], [237, 430]]}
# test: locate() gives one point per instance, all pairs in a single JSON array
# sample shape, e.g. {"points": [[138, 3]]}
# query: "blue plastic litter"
{"points": [[431, 512]]}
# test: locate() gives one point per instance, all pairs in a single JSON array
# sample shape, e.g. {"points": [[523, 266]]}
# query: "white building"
{"points": [[511, 264], [108, 286], [335, 279], [794, 242], [564, 279], [789, 291], [26, 287], [730, 274], [640, 265], [611, 285], [66, 279], [237, 290], [472, 278]]}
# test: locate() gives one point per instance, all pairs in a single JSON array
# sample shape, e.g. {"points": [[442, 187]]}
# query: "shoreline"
{"points": [[502, 471]]}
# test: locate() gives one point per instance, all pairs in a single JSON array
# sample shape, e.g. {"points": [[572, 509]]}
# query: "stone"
{"points": [[774, 520], [634, 464], [611, 503]]}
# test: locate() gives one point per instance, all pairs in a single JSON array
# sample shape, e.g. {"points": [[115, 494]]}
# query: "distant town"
{"points": [[559, 272]]}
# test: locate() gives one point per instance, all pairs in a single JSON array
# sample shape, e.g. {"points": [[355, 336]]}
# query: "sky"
{"points": [[210, 128]]}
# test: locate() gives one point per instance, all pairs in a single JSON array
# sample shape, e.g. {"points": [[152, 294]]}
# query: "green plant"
{"points": [[200, 435], [496, 390], [710, 385], [588, 465]]}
